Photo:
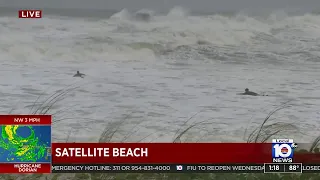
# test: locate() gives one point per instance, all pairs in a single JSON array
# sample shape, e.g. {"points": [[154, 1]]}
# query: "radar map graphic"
{"points": [[20, 143]]}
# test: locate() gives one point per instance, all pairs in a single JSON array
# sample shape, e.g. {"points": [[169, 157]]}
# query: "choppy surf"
{"points": [[165, 69]]}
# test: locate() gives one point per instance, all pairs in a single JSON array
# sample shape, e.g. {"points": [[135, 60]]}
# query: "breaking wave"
{"points": [[172, 35]]}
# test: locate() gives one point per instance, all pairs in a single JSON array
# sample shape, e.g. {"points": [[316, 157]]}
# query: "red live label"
{"points": [[30, 14]]}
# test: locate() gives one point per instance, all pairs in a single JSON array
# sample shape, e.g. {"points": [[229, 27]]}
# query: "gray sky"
{"points": [[164, 5]]}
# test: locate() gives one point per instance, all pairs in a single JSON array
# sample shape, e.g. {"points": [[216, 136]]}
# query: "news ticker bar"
{"points": [[159, 168], [187, 168]]}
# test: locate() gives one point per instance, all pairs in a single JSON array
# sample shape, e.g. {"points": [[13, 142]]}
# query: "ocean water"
{"points": [[164, 75]]}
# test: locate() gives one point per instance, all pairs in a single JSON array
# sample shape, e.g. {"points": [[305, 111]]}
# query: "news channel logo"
{"points": [[179, 167], [282, 150]]}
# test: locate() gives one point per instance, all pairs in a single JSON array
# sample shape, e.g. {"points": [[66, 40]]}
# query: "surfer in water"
{"points": [[250, 93], [79, 74]]}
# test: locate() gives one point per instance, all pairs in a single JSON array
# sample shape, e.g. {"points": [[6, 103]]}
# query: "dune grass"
{"points": [[262, 133]]}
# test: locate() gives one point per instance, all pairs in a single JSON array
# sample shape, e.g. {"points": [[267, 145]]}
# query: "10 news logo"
{"points": [[282, 150]]}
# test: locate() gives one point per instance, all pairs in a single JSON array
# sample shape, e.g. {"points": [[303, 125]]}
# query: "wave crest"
{"points": [[211, 36]]}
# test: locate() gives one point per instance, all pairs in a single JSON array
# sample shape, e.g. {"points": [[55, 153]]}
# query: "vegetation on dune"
{"points": [[262, 133]]}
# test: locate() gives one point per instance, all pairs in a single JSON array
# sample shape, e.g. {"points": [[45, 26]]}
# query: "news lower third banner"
{"points": [[172, 153], [25, 144], [26, 147], [186, 168]]}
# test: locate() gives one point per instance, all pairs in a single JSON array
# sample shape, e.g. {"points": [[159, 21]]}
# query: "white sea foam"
{"points": [[164, 71]]}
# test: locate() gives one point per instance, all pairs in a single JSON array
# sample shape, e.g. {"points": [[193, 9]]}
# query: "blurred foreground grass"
{"points": [[261, 134]]}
